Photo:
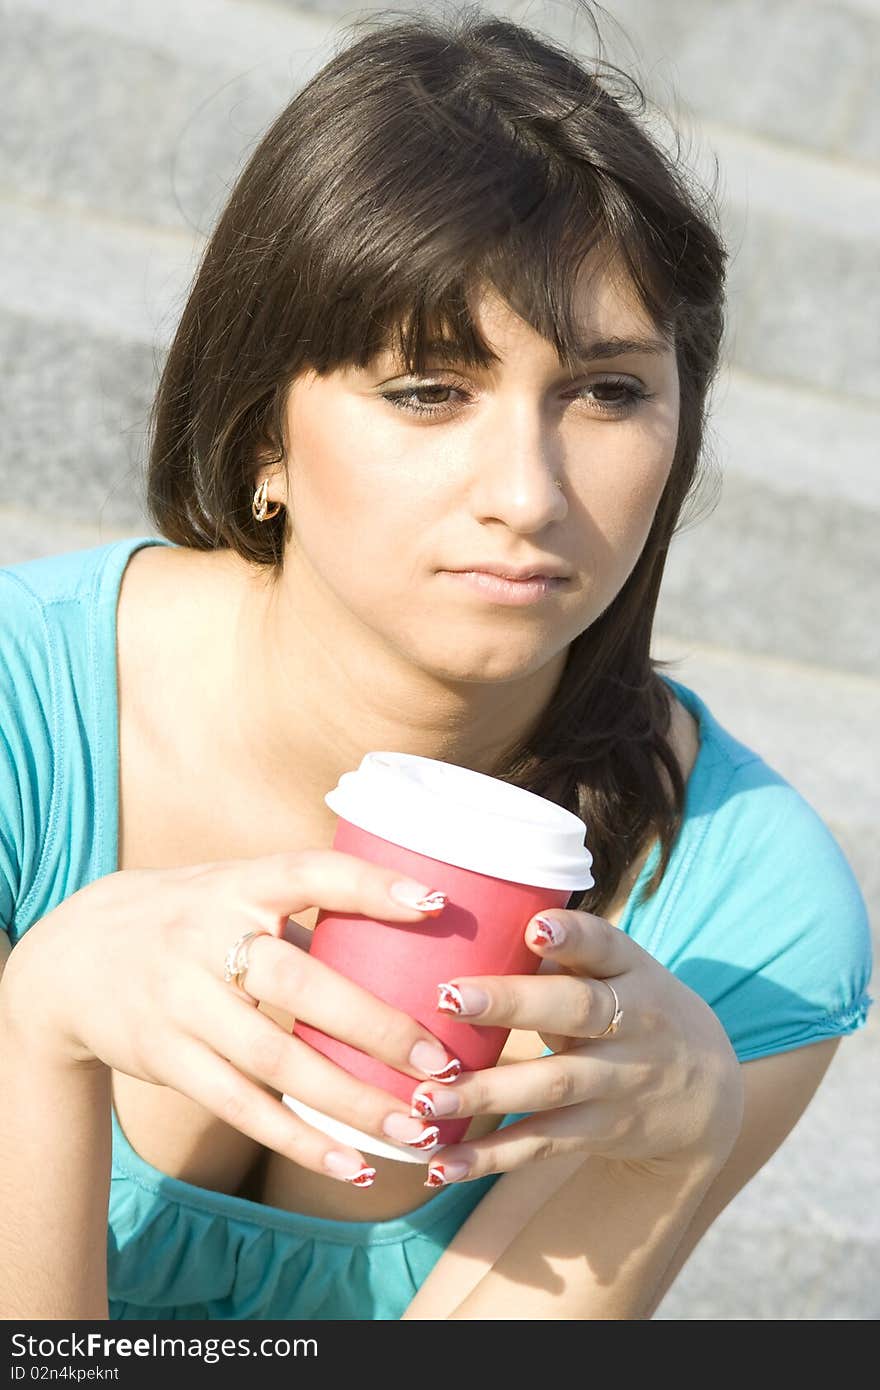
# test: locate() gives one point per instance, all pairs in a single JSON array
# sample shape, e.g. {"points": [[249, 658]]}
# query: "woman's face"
{"points": [[385, 500]]}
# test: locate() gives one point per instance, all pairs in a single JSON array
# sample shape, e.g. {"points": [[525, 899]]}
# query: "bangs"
{"points": [[408, 289]]}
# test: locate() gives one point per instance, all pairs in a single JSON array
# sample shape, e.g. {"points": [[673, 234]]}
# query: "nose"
{"points": [[517, 476]]}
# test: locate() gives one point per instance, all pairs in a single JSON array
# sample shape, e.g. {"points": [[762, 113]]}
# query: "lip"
{"points": [[546, 569], [514, 592]]}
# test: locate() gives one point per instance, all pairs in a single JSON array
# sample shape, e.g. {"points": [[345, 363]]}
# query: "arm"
{"points": [[594, 1239], [54, 1174]]}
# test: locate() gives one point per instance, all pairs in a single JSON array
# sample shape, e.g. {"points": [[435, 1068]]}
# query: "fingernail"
{"points": [[439, 1174], [411, 1132], [429, 1107], [417, 895], [548, 932], [353, 1171], [434, 1061], [461, 999]]}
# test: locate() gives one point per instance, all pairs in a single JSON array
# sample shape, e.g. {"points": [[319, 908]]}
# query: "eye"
{"points": [[629, 395], [405, 400]]}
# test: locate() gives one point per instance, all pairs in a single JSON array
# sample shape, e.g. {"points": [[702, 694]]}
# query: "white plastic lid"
{"points": [[465, 818], [358, 1138]]}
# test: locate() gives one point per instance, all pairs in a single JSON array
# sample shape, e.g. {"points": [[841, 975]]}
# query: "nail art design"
{"points": [[426, 1140], [436, 1176], [449, 999], [364, 1178], [433, 902], [548, 932], [423, 1108], [449, 1073]]}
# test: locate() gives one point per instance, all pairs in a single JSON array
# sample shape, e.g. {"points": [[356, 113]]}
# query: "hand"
{"points": [[666, 1086], [128, 973]]}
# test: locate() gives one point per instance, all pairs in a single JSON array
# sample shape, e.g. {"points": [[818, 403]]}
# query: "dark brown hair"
{"points": [[435, 154]]}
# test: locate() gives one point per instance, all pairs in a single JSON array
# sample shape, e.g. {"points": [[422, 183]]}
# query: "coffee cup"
{"points": [[499, 853]]}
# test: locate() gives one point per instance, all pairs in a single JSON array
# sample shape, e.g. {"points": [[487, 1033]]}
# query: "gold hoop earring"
{"points": [[259, 505]]}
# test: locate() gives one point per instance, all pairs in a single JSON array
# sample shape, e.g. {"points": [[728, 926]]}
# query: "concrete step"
{"points": [[802, 1240], [799, 72], [816, 727], [788, 524], [142, 122], [29, 534], [143, 112], [776, 574]]}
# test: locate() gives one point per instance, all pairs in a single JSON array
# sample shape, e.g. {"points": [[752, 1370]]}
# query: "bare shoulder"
{"points": [[161, 591]]}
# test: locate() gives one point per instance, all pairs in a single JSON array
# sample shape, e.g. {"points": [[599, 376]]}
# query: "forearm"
{"points": [[597, 1249], [55, 1141]]}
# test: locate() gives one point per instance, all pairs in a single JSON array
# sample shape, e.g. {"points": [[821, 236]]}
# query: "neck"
{"points": [[308, 689]]}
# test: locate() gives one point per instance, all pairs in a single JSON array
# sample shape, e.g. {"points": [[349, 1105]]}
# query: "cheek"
{"points": [[624, 512], [630, 482], [619, 502], [354, 524]]}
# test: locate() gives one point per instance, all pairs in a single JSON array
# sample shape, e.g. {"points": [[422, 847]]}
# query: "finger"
{"points": [[545, 1083], [291, 980], [220, 1088], [585, 943], [278, 885], [574, 1134], [568, 1004], [267, 1053]]}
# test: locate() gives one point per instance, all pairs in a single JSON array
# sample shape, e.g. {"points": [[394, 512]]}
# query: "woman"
{"points": [[459, 314]]}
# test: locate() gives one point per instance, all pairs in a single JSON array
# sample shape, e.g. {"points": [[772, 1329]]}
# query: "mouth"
{"points": [[514, 592]]}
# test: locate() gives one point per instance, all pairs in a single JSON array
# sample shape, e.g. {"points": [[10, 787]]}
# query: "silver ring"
{"points": [[616, 1020], [235, 967]]}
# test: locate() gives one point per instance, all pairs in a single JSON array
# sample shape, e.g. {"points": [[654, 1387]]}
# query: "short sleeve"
{"points": [[781, 945], [10, 826], [26, 748]]}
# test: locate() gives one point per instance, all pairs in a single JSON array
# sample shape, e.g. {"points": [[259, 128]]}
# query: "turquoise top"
{"points": [[758, 912]]}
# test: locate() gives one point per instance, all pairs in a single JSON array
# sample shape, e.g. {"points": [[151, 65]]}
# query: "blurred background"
{"points": [[124, 125]]}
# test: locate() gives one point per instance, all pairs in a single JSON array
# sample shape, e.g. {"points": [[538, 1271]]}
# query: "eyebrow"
{"points": [[597, 349]]}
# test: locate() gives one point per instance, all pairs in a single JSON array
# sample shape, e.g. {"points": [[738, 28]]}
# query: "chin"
{"points": [[487, 668]]}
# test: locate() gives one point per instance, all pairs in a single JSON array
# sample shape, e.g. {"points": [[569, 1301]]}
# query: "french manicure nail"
{"points": [[341, 1166], [434, 1061], [548, 932], [407, 1130], [461, 999], [428, 1107], [439, 1174], [418, 895]]}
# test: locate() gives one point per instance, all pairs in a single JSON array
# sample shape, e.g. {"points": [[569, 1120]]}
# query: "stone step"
{"points": [[146, 124], [780, 572], [802, 1240], [139, 112], [796, 517], [778, 575], [801, 74], [32, 534], [816, 727], [224, 33]]}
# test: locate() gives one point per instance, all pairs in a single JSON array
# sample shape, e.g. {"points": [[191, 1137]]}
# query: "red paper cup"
{"points": [[498, 852]]}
